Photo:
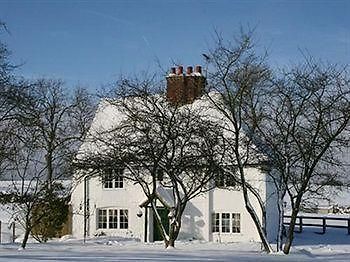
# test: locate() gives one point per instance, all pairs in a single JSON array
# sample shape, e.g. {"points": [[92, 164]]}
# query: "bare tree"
{"points": [[61, 120], [159, 144], [237, 74], [47, 128], [305, 124], [26, 173], [8, 92]]}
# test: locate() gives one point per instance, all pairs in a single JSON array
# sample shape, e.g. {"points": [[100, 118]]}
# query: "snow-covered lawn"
{"points": [[310, 246]]}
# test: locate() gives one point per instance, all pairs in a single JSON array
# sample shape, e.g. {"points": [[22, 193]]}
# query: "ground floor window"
{"points": [[236, 223], [116, 218], [226, 222]]}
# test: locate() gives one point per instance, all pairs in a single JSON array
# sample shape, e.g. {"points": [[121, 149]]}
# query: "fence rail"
{"points": [[307, 221]]}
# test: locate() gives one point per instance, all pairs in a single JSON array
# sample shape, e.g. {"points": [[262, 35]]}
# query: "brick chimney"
{"points": [[185, 88]]}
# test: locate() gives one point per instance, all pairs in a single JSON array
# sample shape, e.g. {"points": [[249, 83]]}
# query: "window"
{"points": [[226, 222], [113, 179], [215, 222], [108, 181], [124, 220], [113, 218], [222, 180], [236, 223], [118, 182], [102, 218], [111, 221]]}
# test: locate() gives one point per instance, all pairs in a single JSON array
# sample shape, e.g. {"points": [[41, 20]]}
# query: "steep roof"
{"points": [[109, 115]]}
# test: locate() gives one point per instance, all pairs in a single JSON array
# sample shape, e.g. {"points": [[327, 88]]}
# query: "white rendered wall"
{"points": [[128, 198], [196, 221]]}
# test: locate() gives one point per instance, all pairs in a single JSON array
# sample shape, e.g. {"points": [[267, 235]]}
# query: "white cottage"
{"points": [[118, 207]]}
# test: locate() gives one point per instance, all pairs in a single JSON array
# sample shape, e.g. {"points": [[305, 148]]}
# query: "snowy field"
{"points": [[310, 246]]}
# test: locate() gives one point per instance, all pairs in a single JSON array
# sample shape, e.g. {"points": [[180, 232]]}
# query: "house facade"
{"points": [[117, 207]]}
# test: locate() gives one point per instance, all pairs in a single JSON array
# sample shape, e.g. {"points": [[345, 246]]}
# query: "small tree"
{"points": [[61, 120], [9, 92], [49, 125], [26, 172], [305, 123], [157, 139], [238, 75]]}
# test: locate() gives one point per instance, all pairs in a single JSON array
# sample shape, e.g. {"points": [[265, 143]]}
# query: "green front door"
{"points": [[163, 213]]}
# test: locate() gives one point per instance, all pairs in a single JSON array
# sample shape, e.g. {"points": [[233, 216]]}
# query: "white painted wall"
{"points": [[196, 221]]}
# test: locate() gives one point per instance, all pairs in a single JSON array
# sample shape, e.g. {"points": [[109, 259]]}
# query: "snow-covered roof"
{"points": [[109, 115]]}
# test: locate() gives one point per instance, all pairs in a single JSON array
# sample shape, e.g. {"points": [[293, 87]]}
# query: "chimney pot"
{"points": [[198, 69], [180, 70], [184, 89], [189, 70]]}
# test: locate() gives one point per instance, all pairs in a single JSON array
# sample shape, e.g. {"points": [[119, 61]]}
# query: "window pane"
{"points": [[215, 220], [225, 222], [102, 218], [118, 182], [108, 181], [124, 220], [112, 218], [236, 223]]}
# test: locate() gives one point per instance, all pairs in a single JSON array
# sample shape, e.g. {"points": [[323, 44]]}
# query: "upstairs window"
{"points": [[113, 179], [118, 182], [221, 180]]}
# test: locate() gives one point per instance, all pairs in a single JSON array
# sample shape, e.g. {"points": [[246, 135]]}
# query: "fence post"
{"points": [[300, 224], [323, 225]]}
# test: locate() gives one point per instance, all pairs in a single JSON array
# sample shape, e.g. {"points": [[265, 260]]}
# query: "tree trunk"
{"points": [[258, 226], [293, 219], [170, 243], [252, 212], [261, 204], [49, 168], [25, 239], [280, 222]]}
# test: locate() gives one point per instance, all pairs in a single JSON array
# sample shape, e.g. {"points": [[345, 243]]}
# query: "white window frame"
{"points": [[102, 219], [235, 222], [123, 219], [222, 181], [215, 224], [113, 180], [226, 223], [112, 218]]}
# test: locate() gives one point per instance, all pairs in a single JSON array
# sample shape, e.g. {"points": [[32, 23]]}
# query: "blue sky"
{"points": [[92, 42]]}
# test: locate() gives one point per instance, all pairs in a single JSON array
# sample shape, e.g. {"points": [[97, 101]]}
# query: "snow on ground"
{"points": [[309, 246]]}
